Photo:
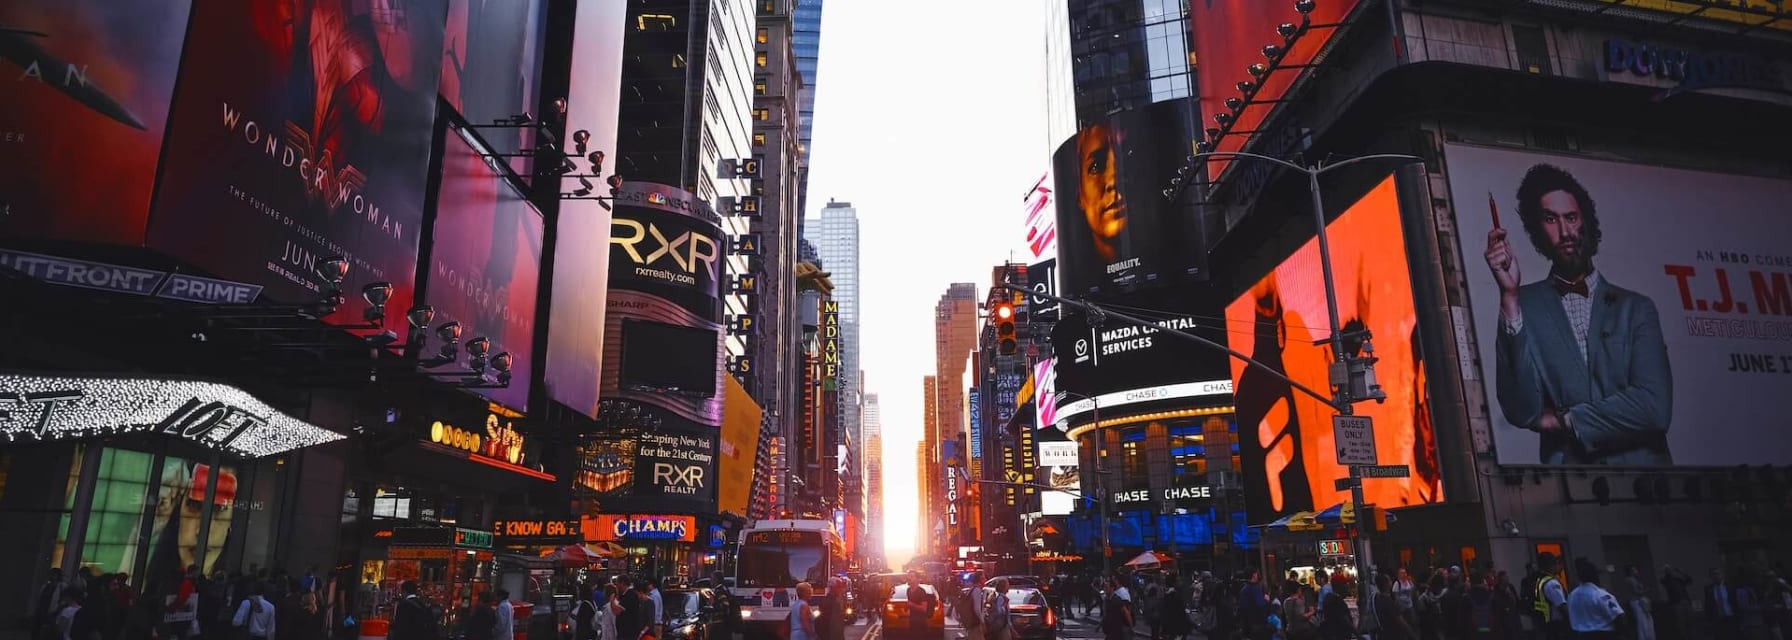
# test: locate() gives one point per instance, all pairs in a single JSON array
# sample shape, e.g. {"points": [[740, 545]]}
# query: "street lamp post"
{"points": [[1352, 378], [1100, 479]]}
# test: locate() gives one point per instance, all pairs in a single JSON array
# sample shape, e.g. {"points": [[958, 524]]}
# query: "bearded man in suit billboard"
{"points": [[1580, 360]]}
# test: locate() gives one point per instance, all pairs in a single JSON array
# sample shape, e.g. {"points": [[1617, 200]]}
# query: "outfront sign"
{"points": [[128, 280], [219, 416]]}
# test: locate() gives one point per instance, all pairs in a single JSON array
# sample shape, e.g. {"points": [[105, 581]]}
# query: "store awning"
{"points": [[211, 414], [1149, 560]]}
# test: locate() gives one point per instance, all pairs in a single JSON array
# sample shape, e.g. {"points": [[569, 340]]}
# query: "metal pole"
{"points": [[1341, 386], [1101, 502], [85, 486]]}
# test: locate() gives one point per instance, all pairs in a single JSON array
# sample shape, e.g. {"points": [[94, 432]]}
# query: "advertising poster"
{"points": [[1042, 218], [741, 418], [668, 469], [1285, 444], [174, 518], [1121, 364], [1116, 231], [302, 131], [1045, 394], [582, 255], [1058, 469], [491, 63], [664, 310], [87, 84], [1043, 278], [1679, 351], [1229, 36], [485, 263]]}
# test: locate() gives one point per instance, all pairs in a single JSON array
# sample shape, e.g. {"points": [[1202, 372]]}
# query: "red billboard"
{"points": [[491, 63], [87, 85], [484, 263], [1229, 37], [582, 258], [301, 130]]}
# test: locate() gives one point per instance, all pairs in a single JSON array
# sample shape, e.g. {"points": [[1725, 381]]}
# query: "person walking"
{"points": [[832, 625], [1297, 617], [412, 618], [584, 615], [997, 625], [607, 611], [1387, 611], [1720, 607], [1642, 603], [968, 609], [482, 618], [506, 629], [1116, 613], [1172, 611], [1335, 622], [256, 615], [1593, 612], [802, 625]]}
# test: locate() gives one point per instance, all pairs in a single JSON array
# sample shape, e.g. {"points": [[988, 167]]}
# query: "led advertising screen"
{"points": [[87, 86], [1286, 451], [301, 130], [1043, 277], [1058, 469], [491, 63], [582, 257], [665, 469], [485, 262], [1042, 218], [1122, 366], [1653, 308], [663, 336], [1116, 231], [1229, 37]]}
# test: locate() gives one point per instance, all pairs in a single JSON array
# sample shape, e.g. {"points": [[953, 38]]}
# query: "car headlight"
{"points": [[684, 631]]}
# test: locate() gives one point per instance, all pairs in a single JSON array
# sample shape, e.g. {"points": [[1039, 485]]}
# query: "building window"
{"points": [[762, 60], [1134, 473], [758, 139], [759, 86], [763, 115], [655, 22], [765, 35]]}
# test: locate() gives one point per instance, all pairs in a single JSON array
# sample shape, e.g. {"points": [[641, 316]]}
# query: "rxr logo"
{"points": [[671, 478], [686, 250]]}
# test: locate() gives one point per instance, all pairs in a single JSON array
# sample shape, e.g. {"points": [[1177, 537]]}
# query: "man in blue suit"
{"points": [[1580, 360]]}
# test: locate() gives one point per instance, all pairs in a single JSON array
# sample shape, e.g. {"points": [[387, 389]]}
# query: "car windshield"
{"points": [[681, 603], [1022, 597], [900, 593]]}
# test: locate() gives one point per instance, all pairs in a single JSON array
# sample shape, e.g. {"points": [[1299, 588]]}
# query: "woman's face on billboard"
{"points": [[1103, 204]]}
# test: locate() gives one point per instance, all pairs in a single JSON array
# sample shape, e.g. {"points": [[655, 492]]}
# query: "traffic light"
{"points": [[1006, 344]]}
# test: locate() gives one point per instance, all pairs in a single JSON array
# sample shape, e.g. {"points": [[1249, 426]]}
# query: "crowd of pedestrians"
{"points": [[259, 605]]}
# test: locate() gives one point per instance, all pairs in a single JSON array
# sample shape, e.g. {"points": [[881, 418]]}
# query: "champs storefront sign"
{"points": [[625, 528]]}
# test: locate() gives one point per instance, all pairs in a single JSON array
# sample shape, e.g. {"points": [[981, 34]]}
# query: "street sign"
{"points": [[1354, 438], [1342, 484], [1382, 471]]}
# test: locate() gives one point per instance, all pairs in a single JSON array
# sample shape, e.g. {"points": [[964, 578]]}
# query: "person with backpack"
{"points": [[1480, 612], [1335, 622], [967, 608], [1391, 619], [584, 616], [997, 625], [412, 618], [256, 615]]}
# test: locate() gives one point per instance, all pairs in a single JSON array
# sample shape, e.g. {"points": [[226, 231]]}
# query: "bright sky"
{"points": [[930, 119]]}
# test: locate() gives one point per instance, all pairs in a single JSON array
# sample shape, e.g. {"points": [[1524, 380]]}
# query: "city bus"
{"points": [[775, 555]]}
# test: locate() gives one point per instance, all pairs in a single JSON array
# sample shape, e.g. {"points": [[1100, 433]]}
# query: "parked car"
{"points": [[1031, 614]]}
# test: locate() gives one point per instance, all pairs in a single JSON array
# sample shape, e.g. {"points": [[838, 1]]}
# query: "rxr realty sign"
{"points": [[215, 415]]}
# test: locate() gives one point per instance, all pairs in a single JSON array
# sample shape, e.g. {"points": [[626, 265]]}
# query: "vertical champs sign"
{"points": [[830, 344]]}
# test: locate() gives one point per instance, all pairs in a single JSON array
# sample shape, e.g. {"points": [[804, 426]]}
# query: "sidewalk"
{"points": [[1140, 630]]}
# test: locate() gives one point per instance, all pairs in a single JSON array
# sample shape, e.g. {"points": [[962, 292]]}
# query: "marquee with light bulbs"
{"points": [[215, 415]]}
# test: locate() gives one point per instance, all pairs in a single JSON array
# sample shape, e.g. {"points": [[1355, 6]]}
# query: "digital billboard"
{"points": [[485, 262], [1638, 315], [302, 131], [575, 358], [1058, 470], [1045, 393], [1042, 218], [667, 469], [491, 64], [1120, 364], [87, 86], [663, 336], [1043, 278], [1286, 447], [1229, 37], [1116, 231]]}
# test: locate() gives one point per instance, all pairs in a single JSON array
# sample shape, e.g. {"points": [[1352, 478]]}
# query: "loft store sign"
{"points": [[219, 416], [1692, 70]]}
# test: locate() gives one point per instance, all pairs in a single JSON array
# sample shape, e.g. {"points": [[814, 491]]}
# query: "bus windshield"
{"points": [[782, 559]]}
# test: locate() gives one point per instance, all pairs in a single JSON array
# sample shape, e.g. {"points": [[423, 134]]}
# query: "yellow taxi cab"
{"points": [[897, 616]]}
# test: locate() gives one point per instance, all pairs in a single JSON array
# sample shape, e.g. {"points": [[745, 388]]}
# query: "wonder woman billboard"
{"points": [[301, 130]]}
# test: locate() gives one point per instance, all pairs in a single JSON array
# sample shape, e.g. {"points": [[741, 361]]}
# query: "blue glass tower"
{"points": [[806, 41]]}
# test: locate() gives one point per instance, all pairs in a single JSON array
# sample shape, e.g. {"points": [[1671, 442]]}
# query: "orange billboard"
{"points": [[740, 446], [1285, 437]]}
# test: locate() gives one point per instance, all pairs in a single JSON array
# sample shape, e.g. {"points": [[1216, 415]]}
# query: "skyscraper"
{"points": [[955, 334], [837, 237], [874, 480], [1126, 54], [807, 44]]}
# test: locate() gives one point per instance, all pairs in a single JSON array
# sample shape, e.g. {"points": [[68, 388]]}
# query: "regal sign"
{"points": [[219, 416]]}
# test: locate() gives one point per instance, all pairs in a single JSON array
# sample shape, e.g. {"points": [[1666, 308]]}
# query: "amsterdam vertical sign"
{"points": [[830, 344]]}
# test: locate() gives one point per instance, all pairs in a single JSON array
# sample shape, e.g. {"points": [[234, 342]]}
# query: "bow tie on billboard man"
{"points": [[1581, 361]]}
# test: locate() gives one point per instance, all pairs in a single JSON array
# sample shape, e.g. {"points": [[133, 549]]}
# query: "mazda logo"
{"points": [[1082, 348]]}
